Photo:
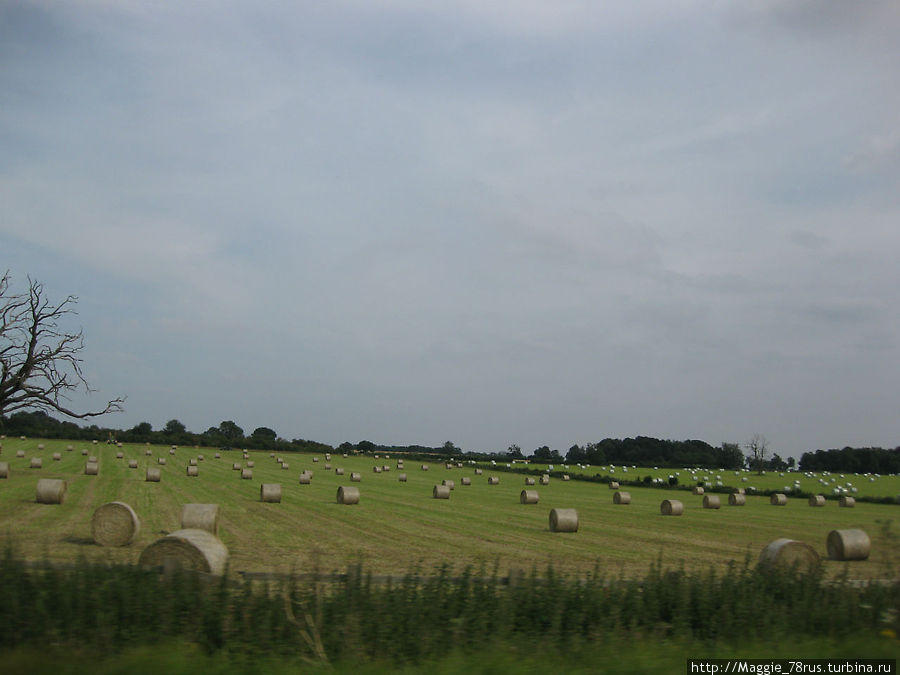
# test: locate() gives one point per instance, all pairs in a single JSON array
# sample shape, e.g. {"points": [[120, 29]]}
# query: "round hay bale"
{"points": [[161, 461], [847, 501], [817, 500], [57, 456], [93, 458], [848, 545], [119, 455], [347, 495], [465, 480], [236, 466], [193, 471], [385, 468], [740, 491], [246, 474], [188, 549], [148, 453], [200, 517], [115, 524], [778, 499], [328, 466], [270, 493], [69, 448], [402, 477], [132, 463], [737, 499], [355, 476], [493, 480], [4, 469], [192, 462], [284, 465], [315, 459], [613, 485], [305, 478], [563, 520], [171, 451], [620, 497], [376, 469], [41, 446], [441, 492], [36, 462], [339, 471], [711, 502], [200, 458], [478, 472], [449, 483], [788, 552], [91, 469], [529, 481], [20, 453], [84, 452], [697, 490], [528, 497], [565, 477], [153, 475], [424, 467], [327, 456], [545, 480], [671, 507], [51, 491]]}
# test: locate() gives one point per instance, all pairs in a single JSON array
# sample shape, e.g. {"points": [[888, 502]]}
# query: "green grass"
{"points": [[398, 526]]}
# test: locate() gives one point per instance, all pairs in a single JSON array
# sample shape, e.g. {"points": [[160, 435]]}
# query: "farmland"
{"points": [[398, 526]]}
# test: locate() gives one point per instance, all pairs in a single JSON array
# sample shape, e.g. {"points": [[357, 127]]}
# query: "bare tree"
{"points": [[757, 452], [39, 360]]}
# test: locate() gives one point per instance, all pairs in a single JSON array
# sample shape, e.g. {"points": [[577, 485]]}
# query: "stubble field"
{"points": [[398, 526]]}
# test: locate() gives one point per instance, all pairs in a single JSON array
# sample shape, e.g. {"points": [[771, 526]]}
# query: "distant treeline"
{"points": [[645, 451], [226, 435], [852, 460]]}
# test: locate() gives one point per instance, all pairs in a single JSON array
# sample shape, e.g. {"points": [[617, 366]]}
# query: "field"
{"points": [[398, 526]]}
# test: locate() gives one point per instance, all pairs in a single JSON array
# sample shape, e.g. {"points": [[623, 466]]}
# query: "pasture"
{"points": [[399, 526]]}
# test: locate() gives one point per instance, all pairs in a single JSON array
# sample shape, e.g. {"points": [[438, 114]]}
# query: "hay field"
{"points": [[398, 526]]}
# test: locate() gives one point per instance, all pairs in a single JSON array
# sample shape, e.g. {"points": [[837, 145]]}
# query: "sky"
{"points": [[531, 223]]}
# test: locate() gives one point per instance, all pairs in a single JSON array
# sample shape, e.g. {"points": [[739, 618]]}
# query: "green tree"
{"points": [[174, 427], [231, 432], [514, 452], [263, 434]]}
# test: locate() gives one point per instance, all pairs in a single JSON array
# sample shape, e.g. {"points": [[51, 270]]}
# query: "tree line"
{"points": [[852, 460]]}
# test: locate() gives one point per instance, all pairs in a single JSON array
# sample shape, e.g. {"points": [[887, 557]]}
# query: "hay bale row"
{"points": [[188, 549], [200, 517], [563, 520], [115, 524]]}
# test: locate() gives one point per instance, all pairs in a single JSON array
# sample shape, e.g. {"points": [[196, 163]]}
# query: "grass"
{"points": [[398, 526]]}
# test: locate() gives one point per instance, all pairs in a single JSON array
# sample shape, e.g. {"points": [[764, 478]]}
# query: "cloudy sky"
{"points": [[485, 222]]}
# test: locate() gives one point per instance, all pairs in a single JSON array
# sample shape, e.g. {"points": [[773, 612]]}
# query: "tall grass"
{"points": [[355, 617]]}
